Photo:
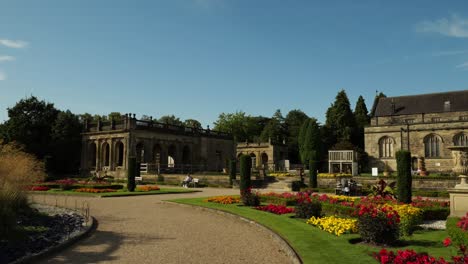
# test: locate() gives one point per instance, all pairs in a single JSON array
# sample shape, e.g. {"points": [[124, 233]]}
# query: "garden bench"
{"points": [[194, 182]]}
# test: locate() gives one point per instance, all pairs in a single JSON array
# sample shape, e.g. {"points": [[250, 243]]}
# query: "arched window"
{"points": [[92, 155], [432, 146], [120, 153], [386, 147], [106, 154], [460, 140]]}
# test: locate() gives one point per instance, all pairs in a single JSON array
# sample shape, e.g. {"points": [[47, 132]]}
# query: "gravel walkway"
{"points": [[142, 229]]}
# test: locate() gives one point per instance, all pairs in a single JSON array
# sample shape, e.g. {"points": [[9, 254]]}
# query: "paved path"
{"points": [[142, 229]]}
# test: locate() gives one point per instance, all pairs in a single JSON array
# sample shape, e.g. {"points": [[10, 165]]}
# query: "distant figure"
{"points": [[188, 179]]}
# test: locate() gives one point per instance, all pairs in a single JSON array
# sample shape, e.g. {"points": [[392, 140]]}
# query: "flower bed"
{"points": [[39, 188], [333, 175], [223, 199], [406, 256], [334, 225], [147, 188], [281, 174], [93, 190], [378, 225], [276, 209]]}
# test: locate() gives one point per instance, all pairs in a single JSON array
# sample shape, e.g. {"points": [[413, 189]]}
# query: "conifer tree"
{"points": [[361, 116], [340, 119], [301, 138], [312, 141]]}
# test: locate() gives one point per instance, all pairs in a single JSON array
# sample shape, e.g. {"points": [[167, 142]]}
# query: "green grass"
{"points": [[118, 193], [317, 246]]}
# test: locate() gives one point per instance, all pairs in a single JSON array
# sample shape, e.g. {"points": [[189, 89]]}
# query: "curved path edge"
{"points": [[92, 225], [284, 244]]}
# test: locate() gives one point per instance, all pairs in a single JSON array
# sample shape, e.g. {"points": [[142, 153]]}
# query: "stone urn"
{"points": [[460, 159]]}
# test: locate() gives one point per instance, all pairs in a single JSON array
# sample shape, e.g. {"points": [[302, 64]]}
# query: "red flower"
{"points": [[447, 242]]}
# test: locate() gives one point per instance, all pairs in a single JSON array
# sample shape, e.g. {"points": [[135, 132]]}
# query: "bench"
{"points": [[194, 182]]}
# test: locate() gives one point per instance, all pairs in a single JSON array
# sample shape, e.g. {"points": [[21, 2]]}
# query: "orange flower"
{"points": [[147, 188], [223, 199]]}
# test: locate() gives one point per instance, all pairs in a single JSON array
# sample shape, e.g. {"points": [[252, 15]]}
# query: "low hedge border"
{"points": [[435, 213]]}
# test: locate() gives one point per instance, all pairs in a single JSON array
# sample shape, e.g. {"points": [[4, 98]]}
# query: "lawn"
{"points": [[118, 193], [317, 246]]}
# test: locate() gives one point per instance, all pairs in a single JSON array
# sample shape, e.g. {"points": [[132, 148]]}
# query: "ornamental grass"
{"points": [[147, 188], [93, 190], [223, 199], [334, 225]]}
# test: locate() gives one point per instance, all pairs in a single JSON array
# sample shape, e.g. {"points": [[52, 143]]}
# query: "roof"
{"points": [[456, 101]]}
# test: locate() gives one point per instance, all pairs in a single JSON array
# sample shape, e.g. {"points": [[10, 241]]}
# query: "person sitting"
{"points": [[188, 179]]}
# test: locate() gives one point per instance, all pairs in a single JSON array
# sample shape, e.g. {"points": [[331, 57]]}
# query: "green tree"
{"points": [[312, 142], [293, 122], [30, 123], [192, 123], [233, 123], [340, 119], [85, 116], [66, 142], [117, 116], [145, 118], [301, 139], [170, 120], [362, 119], [404, 178], [274, 129]]}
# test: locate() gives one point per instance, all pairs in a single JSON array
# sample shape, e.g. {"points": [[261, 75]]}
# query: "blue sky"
{"points": [[198, 58]]}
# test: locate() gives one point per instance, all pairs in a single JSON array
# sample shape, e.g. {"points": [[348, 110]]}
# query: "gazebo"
{"points": [[342, 161]]}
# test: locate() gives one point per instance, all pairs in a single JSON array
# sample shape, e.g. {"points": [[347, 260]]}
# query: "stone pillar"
{"points": [[98, 155], [459, 198]]}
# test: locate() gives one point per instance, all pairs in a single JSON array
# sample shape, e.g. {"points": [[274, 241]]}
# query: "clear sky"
{"points": [[198, 58]]}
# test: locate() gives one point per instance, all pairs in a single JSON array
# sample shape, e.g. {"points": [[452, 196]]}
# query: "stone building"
{"points": [[106, 146], [265, 154], [432, 126]]}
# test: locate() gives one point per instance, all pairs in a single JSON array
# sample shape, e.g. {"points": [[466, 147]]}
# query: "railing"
{"points": [[341, 155]]}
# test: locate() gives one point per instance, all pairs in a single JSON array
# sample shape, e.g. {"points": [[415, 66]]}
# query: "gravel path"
{"points": [[142, 229]]}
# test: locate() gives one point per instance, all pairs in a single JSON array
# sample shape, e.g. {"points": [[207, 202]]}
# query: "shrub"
{"points": [[160, 178], [458, 235], [232, 171], [66, 184], [463, 223], [404, 180], [337, 209], [435, 213], [297, 185], [378, 225], [334, 225], [308, 208], [245, 170], [276, 209], [250, 199], [406, 256], [410, 218], [18, 169], [313, 173], [132, 170]]}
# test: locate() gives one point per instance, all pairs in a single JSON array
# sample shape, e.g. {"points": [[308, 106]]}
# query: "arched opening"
{"points": [[264, 159], [460, 139], [414, 163], [92, 155], [140, 152], [157, 154], [106, 154], [239, 155], [254, 160], [386, 147], [119, 147], [171, 154], [219, 160], [432, 146], [186, 156]]}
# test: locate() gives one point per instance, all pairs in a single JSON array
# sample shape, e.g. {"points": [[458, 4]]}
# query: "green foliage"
{"points": [[362, 119], [274, 129], [170, 120], [376, 229], [297, 185], [245, 170], [312, 142], [293, 122], [313, 166], [381, 188], [458, 236], [131, 173], [301, 140], [404, 179], [340, 118], [232, 171], [243, 127], [192, 123], [307, 209], [116, 116], [435, 213], [250, 199]]}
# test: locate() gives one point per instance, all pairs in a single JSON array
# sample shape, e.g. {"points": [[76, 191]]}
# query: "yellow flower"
{"points": [[334, 225]]}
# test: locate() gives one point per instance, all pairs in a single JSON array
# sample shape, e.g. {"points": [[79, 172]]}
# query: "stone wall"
{"points": [[220, 180], [419, 184]]}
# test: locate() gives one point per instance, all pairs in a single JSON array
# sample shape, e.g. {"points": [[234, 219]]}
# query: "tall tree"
{"points": [[170, 120], [301, 139], [275, 129], [116, 116], [30, 123], [293, 122], [192, 123], [66, 143], [362, 119], [312, 142], [340, 119]]}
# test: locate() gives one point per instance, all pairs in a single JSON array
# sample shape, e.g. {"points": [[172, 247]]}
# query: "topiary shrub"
{"points": [[160, 178], [404, 179], [306, 209], [245, 170], [250, 199], [378, 225], [131, 173], [313, 164], [232, 171]]}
